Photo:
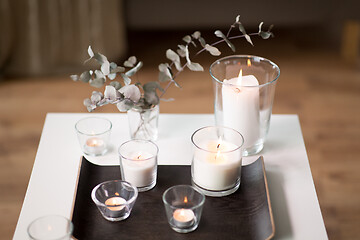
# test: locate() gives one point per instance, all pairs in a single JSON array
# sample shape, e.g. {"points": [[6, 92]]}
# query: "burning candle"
{"points": [[217, 166], [240, 99], [115, 203], [183, 217], [95, 145]]}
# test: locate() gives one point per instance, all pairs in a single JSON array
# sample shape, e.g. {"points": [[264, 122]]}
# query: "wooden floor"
{"points": [[314, 83]]}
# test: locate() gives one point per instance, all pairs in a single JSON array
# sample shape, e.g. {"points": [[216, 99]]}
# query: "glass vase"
{"points": [[143, 124], [244, 93]]}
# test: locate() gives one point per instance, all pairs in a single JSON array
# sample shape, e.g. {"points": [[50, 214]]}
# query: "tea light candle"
{"points": [[183, 217], [216, 167], [241, 107], [115, 201], [140, 170], [95, 145]]}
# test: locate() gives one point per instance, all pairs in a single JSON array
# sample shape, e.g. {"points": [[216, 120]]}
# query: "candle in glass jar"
{"points": [[115, 202], [183, 217], [240, 98], [216, 167], [95, 145]]}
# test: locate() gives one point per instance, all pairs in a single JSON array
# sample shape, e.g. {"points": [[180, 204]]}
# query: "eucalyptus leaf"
{"points": [[124, 105], [218, 33], [237, 19], [90, 52], [242, 29], [74, 77], [96, 97], [265, 35], [171, 55], [163, 77], [112, 76], [100, 58], [260, 26], [130, 62], [247, 37], [151, 97], [193, 43], [196, 35], [116, 85], [131, 92], [126, 79], [202, 41], [97, 82], [212, 50], [134, 69], [87, 102], [99, 74], [105, 67], [115, 68], [195, 67], [181, 50], [85, 76], [111, 94], [152, 86], [187, 55], [165, 72], [187, 39]]}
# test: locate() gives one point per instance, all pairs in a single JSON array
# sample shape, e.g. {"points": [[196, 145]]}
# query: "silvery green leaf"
{"points": [[202, 41], [237, 19], [116, 85], [115, 68], [112, 76], [165, 72], [74, 77], [151, 97], [218, 33], [131, 92], [242, 29], [163, 67], [97, 82], [265, 35], [105, 67], [152, 86], [171, 55], [111, 94], [90, 52], [125, 105], [87, 102], [270, 27], [99, 74], [181, 50], [134, 69], [127, 80], [85, 76], [260, 26], [96, 97], [163, 77], [212, 50], [193, 43], [196, 35], [247, 37], [187, 55], [187, 39], [195, 67], [130, 62], [100, 58]]}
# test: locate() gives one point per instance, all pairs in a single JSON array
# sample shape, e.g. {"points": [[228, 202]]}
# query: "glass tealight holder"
{"points": [[50, 227], [138, 163], [94, 134], [217, 159], [244, 93], [114, 199], [183, 207]]}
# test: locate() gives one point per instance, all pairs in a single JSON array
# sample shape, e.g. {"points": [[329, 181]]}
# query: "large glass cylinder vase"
{"points": [[244, 92]]}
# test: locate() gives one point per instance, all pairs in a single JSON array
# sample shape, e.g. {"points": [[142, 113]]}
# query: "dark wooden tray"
{"points": [[246, 214]]}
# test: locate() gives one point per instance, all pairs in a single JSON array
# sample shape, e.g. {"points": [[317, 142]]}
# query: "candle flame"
{"points": [[185, 200], [249, 63], [138, 157], [117, 194]]}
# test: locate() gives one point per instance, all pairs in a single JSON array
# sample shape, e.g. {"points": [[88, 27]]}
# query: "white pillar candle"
{"points": [[95, 145], [216, 167], [115, 201], [241, 107], [183, 217], [140, 169]]}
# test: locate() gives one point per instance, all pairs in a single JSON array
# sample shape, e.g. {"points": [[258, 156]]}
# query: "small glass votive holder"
{"points": [[94, 134], [138, 163], [50, 227], [114, 199], [183, 207], [217, 159]]}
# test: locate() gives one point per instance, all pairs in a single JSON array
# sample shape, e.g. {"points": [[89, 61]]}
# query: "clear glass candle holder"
{"points": [[183, 207], [114, 199], [50, 227], [138, 163], [244, 92], [217, 159], [94, 134]]}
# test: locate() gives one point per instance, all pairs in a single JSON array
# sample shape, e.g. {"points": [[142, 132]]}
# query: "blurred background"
{"points": [[316, 46]]}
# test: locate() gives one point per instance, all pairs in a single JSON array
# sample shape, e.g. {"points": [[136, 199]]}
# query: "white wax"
{"points": [[140, 171], [95, 145], [115, 201], [219, 169], [241, 108], [183, 217]]}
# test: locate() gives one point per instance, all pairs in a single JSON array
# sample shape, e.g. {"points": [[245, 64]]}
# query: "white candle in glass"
{"points": [[95, 145], [240, 99], [140, 169], [217, 167]]}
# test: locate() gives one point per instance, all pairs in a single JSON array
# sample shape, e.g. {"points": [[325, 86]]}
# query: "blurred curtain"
{"points": [[51, 36]]}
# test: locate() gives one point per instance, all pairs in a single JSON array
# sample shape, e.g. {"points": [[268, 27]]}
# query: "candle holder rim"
{"points": [[128, 202], [183, 185], [229, 151], [139, 140], [70, 224], [245, 56], [93, 134]]}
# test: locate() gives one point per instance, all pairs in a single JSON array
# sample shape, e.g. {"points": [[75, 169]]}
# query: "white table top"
{"points": [[293, 198]]}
